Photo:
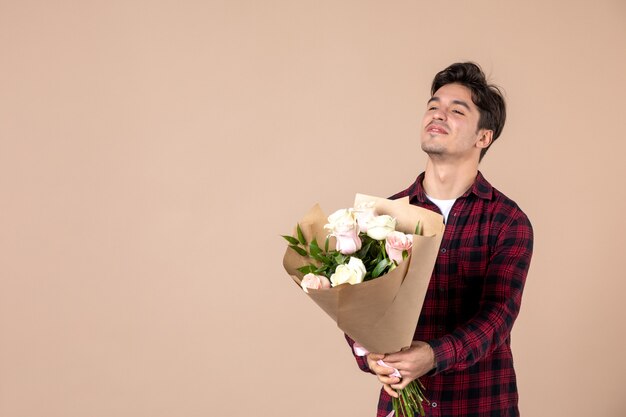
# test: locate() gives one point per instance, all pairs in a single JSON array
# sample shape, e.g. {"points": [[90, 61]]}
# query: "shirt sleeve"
{"points": [[499, 305], [361, 361]]}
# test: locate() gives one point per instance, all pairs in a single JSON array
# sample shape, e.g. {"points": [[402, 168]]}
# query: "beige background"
{"points": [[151, 152]]}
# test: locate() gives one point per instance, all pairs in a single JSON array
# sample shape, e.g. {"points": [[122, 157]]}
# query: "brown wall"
{"points": [[151, 152]]}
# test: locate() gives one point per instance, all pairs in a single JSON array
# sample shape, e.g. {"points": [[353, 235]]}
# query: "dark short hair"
{"points": [[487, 97]]}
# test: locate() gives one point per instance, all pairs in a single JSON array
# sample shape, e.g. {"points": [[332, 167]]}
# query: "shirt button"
{"points": [[443, 250], [440, 328], [434, 405], [442, 289]]}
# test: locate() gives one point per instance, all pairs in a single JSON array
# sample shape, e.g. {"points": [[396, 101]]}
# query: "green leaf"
{"points": [[291, 239], [314, 248], [380, 268], [362, 253], [299, 250], [405, 254], [306, 269], [418, 228], [316, 257], [326, 244], [324, 259], [301, 235]]}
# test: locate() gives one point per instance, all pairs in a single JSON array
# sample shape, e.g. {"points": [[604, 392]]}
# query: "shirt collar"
{"points": [[481, 188]]}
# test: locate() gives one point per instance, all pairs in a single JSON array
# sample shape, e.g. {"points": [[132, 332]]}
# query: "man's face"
{"points": [[450, 124]]}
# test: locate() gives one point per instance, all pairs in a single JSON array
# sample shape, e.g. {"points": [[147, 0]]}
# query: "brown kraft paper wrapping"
{"points": [[380, 314]]}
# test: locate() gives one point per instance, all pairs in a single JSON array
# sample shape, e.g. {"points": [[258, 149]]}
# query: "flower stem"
{"points": [[410, 400], [383, 250]]}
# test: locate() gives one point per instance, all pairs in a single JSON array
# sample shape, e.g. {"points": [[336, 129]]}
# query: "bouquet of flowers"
{"points": [[388, 248]]}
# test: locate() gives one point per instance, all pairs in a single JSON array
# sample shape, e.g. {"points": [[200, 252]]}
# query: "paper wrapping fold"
{"points": [[380, 314]]}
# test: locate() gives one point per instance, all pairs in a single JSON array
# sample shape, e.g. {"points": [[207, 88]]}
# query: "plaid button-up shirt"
{"points": [[473, 299]]}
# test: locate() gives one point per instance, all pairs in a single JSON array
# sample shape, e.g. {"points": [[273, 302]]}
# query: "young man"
{"points": [[461, 350]]}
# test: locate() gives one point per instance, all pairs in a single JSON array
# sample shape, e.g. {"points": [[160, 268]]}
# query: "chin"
{"points": [[433, 150]]}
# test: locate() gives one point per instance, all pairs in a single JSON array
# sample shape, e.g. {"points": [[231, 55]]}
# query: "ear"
{"points": [[485, 137]]}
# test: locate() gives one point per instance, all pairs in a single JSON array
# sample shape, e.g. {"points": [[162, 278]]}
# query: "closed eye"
{"points": [[458, 112]]}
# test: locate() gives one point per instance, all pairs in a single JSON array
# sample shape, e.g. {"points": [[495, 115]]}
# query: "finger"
{"points": [[390, 391], [394, 364], [385, 380], [375, 356], [394, 357], [379, 369], [401, 384]]}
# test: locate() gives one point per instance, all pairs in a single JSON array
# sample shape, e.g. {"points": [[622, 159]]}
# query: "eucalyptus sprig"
{"points": [[323, 262]]}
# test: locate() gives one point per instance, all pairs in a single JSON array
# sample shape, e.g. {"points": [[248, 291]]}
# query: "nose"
{"points": [[439, 114]]}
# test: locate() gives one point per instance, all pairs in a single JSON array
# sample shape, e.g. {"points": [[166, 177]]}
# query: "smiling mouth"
{"points": [[436, 130]]}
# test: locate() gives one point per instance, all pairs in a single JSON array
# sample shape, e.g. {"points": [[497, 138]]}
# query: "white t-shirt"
{"points": [[444, 205]]}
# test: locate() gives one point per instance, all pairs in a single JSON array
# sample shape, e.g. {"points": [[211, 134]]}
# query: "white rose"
{"points": [[341, 222], [352, 273], [380, 226], [364, 212]]}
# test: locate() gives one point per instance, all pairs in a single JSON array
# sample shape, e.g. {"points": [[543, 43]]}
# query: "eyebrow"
{"points": [[459, 102]]}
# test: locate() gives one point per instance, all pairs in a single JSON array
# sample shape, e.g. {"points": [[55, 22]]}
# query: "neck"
{"points": [[446, 181]]}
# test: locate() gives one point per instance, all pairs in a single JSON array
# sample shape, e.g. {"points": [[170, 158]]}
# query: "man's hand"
{"points": [[383, 373], [412, 363]]}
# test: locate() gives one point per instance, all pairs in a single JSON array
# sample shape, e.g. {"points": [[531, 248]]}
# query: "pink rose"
{"points": [[396, 243], [348, 243], [344, 227], [317, 282]]}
